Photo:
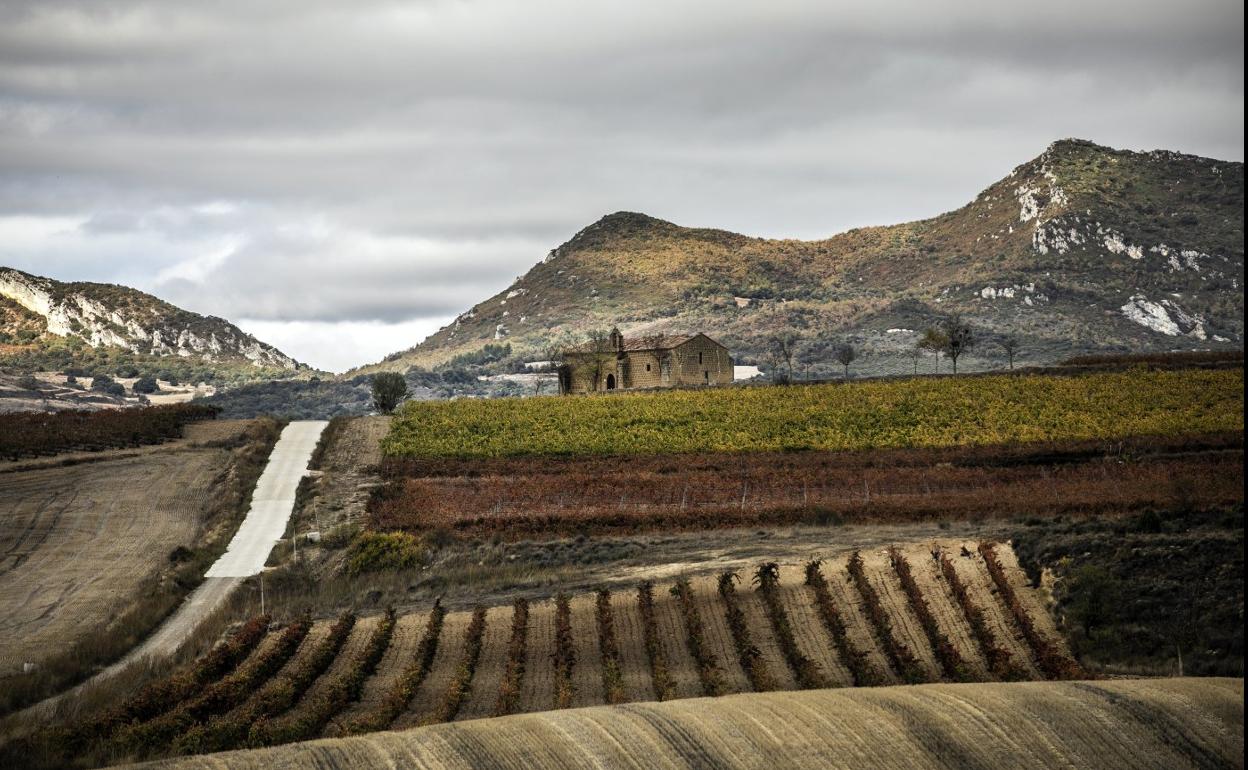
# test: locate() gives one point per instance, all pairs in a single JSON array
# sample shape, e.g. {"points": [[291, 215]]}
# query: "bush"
{"points": [[145, 385], [376, 551], [389, 388]]}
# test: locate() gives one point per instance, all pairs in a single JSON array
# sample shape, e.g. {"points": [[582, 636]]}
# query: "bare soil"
{"points": [[77, 542], [1115, 725], [346, 475]]}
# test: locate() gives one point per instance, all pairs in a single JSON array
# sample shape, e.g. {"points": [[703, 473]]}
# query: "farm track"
{"points": [[1155, 723], [538, 683]]}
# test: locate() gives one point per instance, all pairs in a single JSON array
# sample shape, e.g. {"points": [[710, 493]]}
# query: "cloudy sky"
{"points": [[340, 178]]}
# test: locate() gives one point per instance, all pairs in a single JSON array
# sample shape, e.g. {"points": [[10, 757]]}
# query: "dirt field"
{"points": [[1166, 723], [346, 474], [195, 435], [76, 542]]}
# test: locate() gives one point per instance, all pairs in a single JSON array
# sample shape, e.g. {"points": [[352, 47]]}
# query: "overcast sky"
{"points": [[341, 178]]}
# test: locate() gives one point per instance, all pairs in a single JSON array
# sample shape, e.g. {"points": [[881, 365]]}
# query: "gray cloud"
{"points": [[381, 161]]}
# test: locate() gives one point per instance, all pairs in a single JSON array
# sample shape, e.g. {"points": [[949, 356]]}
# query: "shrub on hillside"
{"points": [[145, 385], [376, 551]]}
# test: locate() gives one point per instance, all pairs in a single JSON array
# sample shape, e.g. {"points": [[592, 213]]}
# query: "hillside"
{"points": [[50, 325], [1175, 723], [1083, 249]]}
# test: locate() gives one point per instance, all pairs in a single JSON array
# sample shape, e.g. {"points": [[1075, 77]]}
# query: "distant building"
{"points": [[652, 361]]}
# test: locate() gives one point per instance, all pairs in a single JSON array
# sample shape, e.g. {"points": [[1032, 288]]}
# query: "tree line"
{"points": [[787, 353]]}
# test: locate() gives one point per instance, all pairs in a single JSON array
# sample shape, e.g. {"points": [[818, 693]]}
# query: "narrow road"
{"points": [[272, 503]]}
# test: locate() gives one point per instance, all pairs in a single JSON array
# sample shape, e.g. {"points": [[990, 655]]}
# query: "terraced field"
{"points": [[877, 617]]}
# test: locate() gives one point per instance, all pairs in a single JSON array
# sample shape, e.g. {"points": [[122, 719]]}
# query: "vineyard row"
{"points": [[946, 613], [32, 434]]}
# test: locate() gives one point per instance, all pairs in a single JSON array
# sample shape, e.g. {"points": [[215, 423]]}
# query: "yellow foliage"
{"points": [[900, 413]]}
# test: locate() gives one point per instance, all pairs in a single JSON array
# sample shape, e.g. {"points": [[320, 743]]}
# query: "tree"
{"points": [[845, 355], [599, 354], [933, 340], [959, 338], [145, 385], [916, 353], [1010, 346], [389, 388], [784, 348], [104, 384], [807, 356]]}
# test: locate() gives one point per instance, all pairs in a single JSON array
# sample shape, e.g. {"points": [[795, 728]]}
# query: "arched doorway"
{"points": [[610, 382]]}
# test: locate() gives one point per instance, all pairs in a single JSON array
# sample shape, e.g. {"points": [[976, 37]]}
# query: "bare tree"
{"points": [[959, 338], [1010, 346], [916, 352], [934, 340], [600, 354], [785, 348], [845, 355], [807, 354]]}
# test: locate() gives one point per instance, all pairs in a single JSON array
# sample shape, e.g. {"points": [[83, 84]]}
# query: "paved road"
{"points": [[271, 505]]}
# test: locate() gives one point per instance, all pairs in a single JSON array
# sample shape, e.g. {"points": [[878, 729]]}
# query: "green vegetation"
{"points": [[905, 413], [374, 551], [389, 389]]}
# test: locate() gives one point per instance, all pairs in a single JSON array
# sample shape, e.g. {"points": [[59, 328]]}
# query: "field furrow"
{"points": [[319, 631], [1032, 599], [812, 638], [429, 695], [630, 638], [944, 607], [399, 655], [905, 626], [751, 605], [351, 651], [857, 626], [718, 634], [672, 637], [537, 691], [488, 677], [587, 673], [974, 574]]}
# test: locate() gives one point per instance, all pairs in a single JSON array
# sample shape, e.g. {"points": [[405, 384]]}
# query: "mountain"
{"points": [[47, 322], [1083, 249]]}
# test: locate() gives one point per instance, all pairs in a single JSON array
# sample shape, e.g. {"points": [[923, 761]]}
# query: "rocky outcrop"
{"points": [[109, 315]]}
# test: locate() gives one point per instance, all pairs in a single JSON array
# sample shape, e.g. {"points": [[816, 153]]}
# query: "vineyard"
{"points": [[32, 434], [901, 413], [530, 497], [939, 612]]}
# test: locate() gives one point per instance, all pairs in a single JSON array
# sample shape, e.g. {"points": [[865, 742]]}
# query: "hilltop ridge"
{"points": [[40, 317], [1082, 249]]}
